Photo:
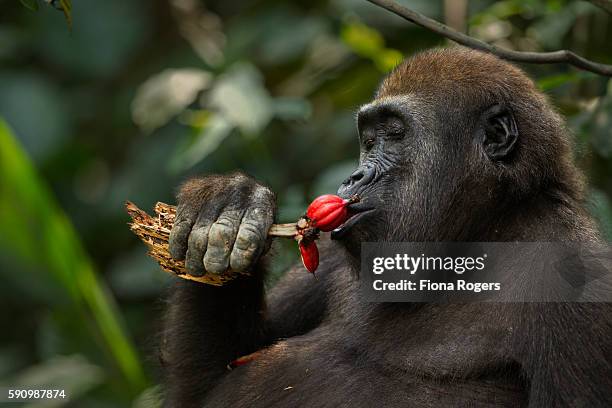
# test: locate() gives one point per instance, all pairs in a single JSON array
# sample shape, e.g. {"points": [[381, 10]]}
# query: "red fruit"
{"points": [[310, 255], [327, 212]]}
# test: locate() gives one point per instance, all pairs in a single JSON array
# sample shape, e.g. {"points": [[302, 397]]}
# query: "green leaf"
{"points": [[499, 10], [216, 129], [35, 230], [110, 33], [388, 59], [552, 28], [150, 398], [31, 4], [167, 94], [240, 97], [67, 9], [363, 40], [555, 81], [367, 42], [288, 108]]}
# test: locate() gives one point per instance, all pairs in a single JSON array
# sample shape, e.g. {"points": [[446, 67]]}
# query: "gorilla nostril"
{"points": [[355, 183], [356, 176]]}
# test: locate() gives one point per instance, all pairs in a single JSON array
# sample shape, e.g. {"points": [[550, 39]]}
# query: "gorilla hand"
{"points": [[221, 223]]}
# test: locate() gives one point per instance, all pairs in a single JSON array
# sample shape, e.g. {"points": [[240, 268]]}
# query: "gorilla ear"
{"points": [[500, 132]]}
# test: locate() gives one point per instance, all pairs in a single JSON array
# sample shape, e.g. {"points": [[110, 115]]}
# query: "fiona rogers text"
{"points": [[427, 285]]}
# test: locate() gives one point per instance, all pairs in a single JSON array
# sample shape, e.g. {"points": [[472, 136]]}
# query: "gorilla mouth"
{"points": [[357, 211]]}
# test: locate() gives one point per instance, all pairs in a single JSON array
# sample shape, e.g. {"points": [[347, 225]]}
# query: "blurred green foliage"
{"points": [[140, 95], [54, 264]]}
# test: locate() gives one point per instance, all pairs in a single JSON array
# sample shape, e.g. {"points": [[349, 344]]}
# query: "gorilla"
{"points": [[457, 145]]}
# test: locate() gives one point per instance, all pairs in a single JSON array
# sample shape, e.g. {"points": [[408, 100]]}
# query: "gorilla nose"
{"points": [[356, 181]]}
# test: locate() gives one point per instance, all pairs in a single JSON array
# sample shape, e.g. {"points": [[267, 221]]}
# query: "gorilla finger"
{"points": [[196, 249], [220, 241], [251, 239], [180, 232]]}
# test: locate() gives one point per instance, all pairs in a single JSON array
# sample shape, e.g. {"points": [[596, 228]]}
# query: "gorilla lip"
{"points": [[356, 212]]}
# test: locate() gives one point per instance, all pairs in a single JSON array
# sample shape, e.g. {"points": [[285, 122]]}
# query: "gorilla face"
{"points": [[391, 137], [449, 148], [427, 168]]}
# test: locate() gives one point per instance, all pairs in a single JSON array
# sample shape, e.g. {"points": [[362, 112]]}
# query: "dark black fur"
{"points": [[457, 146]]}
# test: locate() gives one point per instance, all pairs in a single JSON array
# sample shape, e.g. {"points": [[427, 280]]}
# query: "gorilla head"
{"points": [[452, 142]]}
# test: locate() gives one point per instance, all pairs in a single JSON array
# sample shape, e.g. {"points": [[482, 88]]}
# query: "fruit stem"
{"points": [[353, 199], [283, 230]]}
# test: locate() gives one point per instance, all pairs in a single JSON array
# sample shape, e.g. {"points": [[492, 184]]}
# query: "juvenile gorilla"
{"points": [[456, 146]]}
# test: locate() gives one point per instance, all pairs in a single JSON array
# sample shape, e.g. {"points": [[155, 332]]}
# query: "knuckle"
{"points": [[220, 235], [263, 205], [215, 265], [198, 238], [178, 240], [193, 263], [257, 214], [226, 226], [238, 182], [229, 218], [186, 211], [220, 240], [179, 230], [181, 223], [248, 242], [260, 212], [247, 237], [264, 193], [241, 261]]}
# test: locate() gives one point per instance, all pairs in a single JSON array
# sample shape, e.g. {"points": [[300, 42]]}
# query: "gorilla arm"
{"points": [[205, 326]]}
